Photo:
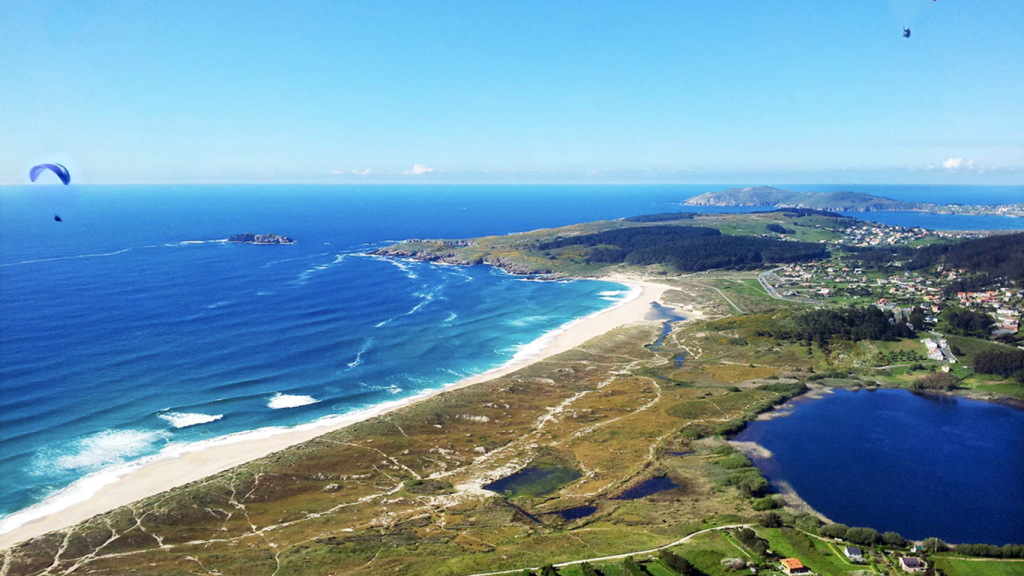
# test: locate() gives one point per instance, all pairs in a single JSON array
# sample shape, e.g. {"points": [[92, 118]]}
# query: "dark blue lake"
{"points": [[892, 460]]}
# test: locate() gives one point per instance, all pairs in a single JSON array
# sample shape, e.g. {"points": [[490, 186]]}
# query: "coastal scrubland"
{"points": [[411, 492]]}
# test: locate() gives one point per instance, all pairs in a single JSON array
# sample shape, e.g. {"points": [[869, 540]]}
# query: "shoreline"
{"points": [[104, 491]]}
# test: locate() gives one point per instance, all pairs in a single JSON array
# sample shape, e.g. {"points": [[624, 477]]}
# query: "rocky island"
{"points": [[249, 238]]}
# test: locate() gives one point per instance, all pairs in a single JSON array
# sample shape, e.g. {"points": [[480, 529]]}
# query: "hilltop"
{"points": [[776, 197]]}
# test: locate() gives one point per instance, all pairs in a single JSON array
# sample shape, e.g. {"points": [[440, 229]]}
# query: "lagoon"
{"points": [[920, 465]]}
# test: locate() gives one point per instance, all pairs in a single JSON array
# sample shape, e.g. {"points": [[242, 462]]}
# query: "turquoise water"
{"points": [[132, 330], [892, 460]]}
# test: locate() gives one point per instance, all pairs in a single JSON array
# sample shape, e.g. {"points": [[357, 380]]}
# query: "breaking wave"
{"points": [[279, 401], [185, 419]]}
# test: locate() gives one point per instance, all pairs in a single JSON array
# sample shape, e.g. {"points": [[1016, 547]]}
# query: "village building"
{"points": [[793, 566], [854, 553], [912, 564]]}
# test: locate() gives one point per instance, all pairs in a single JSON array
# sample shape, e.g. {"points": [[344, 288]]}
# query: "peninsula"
{"points": [[768, 196]]}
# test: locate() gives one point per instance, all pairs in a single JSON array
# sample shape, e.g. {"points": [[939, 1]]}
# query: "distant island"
{"points": [[769, 196], [249, 238]]}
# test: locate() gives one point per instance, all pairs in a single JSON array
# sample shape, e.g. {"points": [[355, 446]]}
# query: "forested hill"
{"points": [[994, 258], [687, 248], [997, 256]]}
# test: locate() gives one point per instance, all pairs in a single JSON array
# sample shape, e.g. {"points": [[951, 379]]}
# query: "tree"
{"points": [[771, 520], [750, 539], [893, 539], [866, 536], [588, 570], [632, 568], [766, 503], [935, 381], [967, 322], [834, 530], [999, 360], [679, 564], [934, 545], [548, 570]]}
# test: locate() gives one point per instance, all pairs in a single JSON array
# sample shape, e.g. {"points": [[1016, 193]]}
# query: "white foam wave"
{"points": [[359, 355], [526, 320], [531, 349], [104, 448], [65, 258], [279, 401], [613, 293], [192, 242], [427, 298], [185, 419], [219, 304], [303, 276], [89, 485], [404, 268], [451, 318]]}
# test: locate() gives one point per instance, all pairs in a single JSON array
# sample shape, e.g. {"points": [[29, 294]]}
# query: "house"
{"points": [[912, 564], [854, 553], [793, 566]]}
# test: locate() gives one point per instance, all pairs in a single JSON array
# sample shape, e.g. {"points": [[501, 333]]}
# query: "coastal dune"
{"points": [[204, 460]]}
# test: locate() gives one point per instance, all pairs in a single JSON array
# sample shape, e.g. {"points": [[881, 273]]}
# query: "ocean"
{"points": [[133, 331]]}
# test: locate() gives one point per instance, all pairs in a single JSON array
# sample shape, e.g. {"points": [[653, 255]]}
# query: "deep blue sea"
{"points": [[131, 329], [893, 460]]}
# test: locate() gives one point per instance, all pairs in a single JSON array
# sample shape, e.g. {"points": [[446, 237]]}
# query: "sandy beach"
{"points": [[189, 466]]}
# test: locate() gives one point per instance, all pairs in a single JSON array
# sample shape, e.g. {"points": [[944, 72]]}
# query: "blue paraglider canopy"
{"points": [[57, 169]]}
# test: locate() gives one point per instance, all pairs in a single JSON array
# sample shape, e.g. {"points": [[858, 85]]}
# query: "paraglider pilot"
{"points": [[906, 32]]}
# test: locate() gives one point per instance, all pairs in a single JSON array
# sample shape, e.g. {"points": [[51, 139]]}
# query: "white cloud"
{"points": [[361, 172], [418, 169], [958, 163], [336, 171]]}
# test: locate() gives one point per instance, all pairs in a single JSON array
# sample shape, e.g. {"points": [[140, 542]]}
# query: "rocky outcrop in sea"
{"points": [[249, 238]]}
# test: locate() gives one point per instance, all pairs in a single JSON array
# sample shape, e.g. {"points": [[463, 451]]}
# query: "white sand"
{"points": [[169, 472]]}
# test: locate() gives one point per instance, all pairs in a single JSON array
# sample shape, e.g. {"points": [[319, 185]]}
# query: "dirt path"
{"points": [[620, 556]]}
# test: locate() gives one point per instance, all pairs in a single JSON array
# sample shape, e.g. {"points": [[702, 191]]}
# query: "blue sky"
{"points": [[480, 91]]}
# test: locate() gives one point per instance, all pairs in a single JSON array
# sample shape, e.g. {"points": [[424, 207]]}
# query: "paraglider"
{"points": [[57, 169], [906, 32]]}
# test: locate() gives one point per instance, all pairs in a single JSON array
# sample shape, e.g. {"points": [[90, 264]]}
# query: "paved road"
{"points": [[619, 556], [763, 278]]}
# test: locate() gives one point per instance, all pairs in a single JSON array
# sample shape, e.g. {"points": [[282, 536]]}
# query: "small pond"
{"points": [[576, 513], [920, 465], [647, 488], [534, 480]]}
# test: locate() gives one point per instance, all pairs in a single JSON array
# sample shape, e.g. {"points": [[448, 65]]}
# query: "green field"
{"points": [[953, 567]]}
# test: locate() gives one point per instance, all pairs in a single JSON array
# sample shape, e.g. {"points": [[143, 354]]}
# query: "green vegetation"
{"points": [[954, 567], [403, 493], [966, 322], [686, 248], [1002, 361], [853, 323]]}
